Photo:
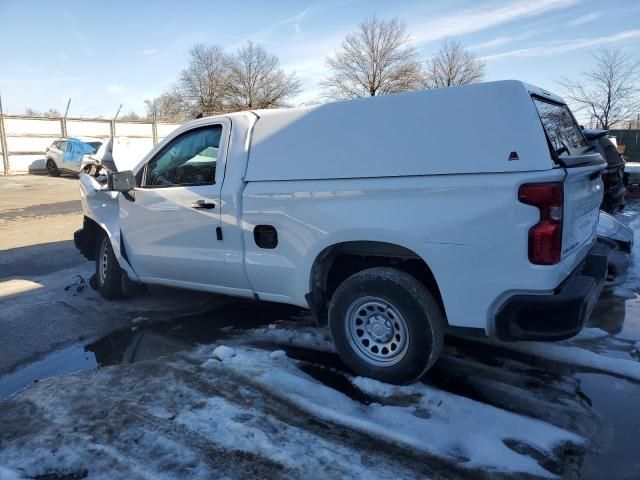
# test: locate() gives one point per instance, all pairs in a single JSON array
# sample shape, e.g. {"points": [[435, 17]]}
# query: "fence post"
{"points": [[154, 129], [3, 141], [63, 127]]}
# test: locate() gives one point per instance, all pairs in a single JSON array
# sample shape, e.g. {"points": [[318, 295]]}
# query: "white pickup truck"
{"points": [[391, 218]]}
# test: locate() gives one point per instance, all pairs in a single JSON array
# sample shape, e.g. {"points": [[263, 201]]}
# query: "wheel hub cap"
{"points": [[380, 328], [376, 331]]}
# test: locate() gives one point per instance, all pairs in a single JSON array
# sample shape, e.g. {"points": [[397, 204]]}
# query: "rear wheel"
{"points": [[386, 325], [52, 168], [108, 272]]}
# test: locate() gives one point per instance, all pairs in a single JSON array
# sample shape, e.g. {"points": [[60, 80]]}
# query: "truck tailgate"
{"points": [[583, 192]]}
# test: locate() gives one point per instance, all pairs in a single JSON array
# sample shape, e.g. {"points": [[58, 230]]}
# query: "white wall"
{"points": [[88, 128], [28, 137]]}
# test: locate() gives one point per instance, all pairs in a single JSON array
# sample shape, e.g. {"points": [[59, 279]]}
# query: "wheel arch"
{"points": [[340, 260], [87, 243]]}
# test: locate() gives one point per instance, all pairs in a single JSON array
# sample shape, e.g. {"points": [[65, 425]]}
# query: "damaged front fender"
{"points": [[101, 208]]}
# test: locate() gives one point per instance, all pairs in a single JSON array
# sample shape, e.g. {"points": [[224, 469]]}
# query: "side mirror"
{"points": [[121, 181]]}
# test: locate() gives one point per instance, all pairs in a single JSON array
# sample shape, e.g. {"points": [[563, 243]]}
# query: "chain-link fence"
{"points": [[24, 139]]}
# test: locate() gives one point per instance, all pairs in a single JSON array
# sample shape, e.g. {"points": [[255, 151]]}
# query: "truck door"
{"points": [[170, 222]]}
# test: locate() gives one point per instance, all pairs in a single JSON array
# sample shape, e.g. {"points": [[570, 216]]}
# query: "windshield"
{"points": [[563, 132]]}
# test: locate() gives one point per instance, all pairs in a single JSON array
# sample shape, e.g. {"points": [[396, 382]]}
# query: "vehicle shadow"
{"points": [[41, 259]]}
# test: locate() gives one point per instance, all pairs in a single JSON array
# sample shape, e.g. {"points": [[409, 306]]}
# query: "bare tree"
{"points": [[375, 60], [453, 65], [214, 82], [609, 92], [202, 85], [52, 112], [168, 107], [130, 116], [256, 80]]}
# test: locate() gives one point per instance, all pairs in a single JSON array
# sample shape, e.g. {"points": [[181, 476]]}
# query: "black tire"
{"points": [[384, 291], [108, 272], [52, 169]]}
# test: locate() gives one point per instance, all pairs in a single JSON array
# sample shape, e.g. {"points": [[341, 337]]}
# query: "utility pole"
{"points": [[3, 141]]}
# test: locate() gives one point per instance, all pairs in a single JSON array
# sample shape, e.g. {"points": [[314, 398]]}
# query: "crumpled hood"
{"points": [[122, 153]]}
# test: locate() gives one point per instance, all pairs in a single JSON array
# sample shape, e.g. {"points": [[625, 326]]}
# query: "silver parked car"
{"points": [[66, 155]]}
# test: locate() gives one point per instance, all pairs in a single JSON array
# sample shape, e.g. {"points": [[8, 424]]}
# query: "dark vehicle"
{"points": [[613, 175], [619, 238]]}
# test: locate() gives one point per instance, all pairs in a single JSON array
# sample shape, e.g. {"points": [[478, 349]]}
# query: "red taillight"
{"points": [[545, 237]]}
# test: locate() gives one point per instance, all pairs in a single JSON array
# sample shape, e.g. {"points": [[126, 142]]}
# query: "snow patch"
{"points": [[379, 389], [442, 424], [277, 354], [223, 352], [7, 474], [575, 356], [309, 337], [211, 363]]}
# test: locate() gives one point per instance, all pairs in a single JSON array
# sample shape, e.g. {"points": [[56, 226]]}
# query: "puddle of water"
{"points": [[617, 401], [61, 362], [147, 341]]}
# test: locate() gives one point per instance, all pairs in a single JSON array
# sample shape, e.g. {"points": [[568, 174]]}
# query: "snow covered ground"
{"points": [[238, 412], [251, 391]]}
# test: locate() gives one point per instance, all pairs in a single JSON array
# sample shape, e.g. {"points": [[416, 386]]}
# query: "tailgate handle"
{"points": [[203, 204]]}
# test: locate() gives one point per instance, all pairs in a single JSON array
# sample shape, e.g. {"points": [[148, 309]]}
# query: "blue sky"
{"points": [[126, 51]]}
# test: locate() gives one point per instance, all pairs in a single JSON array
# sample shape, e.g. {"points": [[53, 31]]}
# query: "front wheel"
{"points": [[108, 272], [52, 168], [386, 325]]}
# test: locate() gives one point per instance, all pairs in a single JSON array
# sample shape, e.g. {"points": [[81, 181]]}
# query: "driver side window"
{"points": [[188, 160]]}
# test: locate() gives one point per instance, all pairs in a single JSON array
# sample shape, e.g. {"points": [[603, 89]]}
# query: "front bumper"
{"points": [[559, 315]]}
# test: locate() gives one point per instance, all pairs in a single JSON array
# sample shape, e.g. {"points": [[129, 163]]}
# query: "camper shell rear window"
{"points": [[563, 133]]}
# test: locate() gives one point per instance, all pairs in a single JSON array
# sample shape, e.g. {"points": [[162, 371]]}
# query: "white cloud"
{"points": [[589, 17], [293, 21], [496, 42], [148, 51], [462, 21], [555, 47]]}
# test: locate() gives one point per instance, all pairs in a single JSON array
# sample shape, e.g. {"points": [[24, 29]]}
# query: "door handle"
{"points": [[203, 204]]}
